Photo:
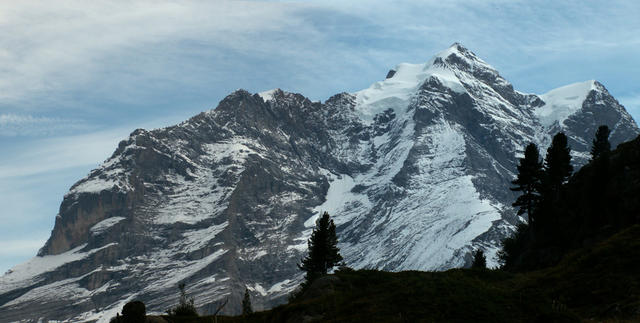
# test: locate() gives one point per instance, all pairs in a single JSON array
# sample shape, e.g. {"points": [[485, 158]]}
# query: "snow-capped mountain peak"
{"points": [[415, 170], [564, 101], [452, 67]]}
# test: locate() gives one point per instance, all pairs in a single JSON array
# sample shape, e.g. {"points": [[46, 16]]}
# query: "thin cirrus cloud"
{"points": [[46, 155], [56, 153], [130, 52], [13, 125], [49, 47]]}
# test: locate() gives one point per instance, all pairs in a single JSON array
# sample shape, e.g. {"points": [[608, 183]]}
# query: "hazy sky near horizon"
{"points": [[76, 77]]}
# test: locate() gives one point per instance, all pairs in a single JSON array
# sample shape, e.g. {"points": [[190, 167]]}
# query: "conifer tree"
{"points": [[528, 181], [597, 191], [479, 260], [557, 164], [246, 303], [601, 145], [324, 253], [185, 307], [557, 170]]}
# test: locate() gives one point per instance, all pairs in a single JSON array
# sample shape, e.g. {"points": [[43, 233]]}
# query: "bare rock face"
{"points": [[415, 170], [73, 229]]}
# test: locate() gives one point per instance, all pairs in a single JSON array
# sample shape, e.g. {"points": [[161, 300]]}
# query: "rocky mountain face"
{"points": [[415, 170]]}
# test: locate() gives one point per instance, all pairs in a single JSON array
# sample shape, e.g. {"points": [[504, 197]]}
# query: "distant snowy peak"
{"points": [[403, 82], [459, 57], [456, 68], [561, 103]]}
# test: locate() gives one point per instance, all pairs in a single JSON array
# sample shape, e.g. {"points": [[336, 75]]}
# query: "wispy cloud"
{"points": [[12, 125], [47, 47], [132, 51], [59, 153], [38, 156]]}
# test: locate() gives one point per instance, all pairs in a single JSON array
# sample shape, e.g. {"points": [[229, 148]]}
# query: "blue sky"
{"points": [[78, 76]]}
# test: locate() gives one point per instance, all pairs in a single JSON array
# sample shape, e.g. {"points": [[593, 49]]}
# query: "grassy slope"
{"points": [[601, 283]]}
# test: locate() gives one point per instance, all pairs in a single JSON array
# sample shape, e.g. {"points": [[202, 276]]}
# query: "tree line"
{"points": [[548, 202]]}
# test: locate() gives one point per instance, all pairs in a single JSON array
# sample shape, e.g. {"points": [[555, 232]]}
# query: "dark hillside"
{"points": [[593, 284], [598, 201]]}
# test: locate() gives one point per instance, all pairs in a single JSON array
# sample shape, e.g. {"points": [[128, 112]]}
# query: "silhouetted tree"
{"points": [[592, 205], [600, 152], [601, 146], [557, 164], [185, 307], [528, 181], [514, 246], [246, 303], [324, 253], [479, 260], [132, 312], [557, 170]]}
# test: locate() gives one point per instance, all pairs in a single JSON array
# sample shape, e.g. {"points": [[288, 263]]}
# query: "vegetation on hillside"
{"points": [[593, 284], [598, 201]]}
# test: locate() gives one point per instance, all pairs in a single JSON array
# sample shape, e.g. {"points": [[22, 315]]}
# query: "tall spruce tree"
{"points": [[246, 303], [598, 187], [324, 253], [528, 181], [557, 170], [601, 146], [557, 164], [479, 260]]}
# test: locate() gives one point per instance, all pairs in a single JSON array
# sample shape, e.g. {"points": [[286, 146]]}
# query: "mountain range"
{"points": [[415, 171]]}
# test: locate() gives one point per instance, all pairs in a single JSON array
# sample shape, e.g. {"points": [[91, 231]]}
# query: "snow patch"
{"points": [[105, 224], [109, 176], [168, 272], [562, 102], [268, 95], [200, 197], [95, 185], [197, 239], [67, 289], [31, 271], [338, 197], [105, 315], [283, 286]]}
